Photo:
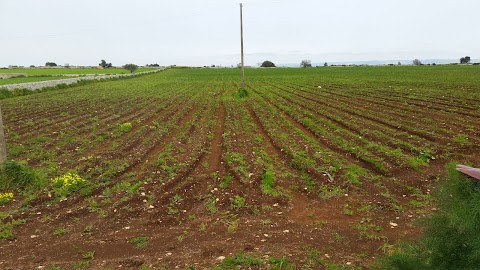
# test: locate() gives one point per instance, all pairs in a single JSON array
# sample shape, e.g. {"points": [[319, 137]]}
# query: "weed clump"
{"points": [[125, 127], [67, 184], [6, 197], [241, 93], [14, 174], [451, 239]]}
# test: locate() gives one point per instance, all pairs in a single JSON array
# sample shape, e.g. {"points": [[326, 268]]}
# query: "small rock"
{"points": [[286, 231], [169, 254], [393, 224], [221, 258], [151, 206], [33, 236], [275, 205]]}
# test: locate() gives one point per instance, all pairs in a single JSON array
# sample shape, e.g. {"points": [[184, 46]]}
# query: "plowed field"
{"points": [[317, 167]]}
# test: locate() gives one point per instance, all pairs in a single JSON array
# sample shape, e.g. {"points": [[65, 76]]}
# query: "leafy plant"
{"points": [[139, 241], [60, 231], [67, 184], [226, 181], [241, 93], [210, 204], [14, 174], [237, 202], [6, 198], [125, 127], [451, 237], [268, 182], [88, 255]]}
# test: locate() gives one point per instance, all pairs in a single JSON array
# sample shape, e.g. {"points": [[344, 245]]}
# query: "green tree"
{"points": [[104, 64], [465, 60], [417, 62], [306, 63], [130, 67], [268, 63]]}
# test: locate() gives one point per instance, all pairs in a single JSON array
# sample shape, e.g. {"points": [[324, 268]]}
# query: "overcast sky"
{"points": [[192, 32]]}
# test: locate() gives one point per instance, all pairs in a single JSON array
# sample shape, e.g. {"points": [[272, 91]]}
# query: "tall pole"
{"points": [[3, 147], [241, 40]]}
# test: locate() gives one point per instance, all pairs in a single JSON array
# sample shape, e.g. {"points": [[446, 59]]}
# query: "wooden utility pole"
{"points": [[241, 46], [3, 147]]}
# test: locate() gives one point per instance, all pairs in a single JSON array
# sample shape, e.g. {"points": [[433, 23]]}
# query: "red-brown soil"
{"points": [[180, 154]]}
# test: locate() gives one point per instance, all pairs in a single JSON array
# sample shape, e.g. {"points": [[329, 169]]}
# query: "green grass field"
{"points": [[337, 161], [30, 79], [67, 71]]}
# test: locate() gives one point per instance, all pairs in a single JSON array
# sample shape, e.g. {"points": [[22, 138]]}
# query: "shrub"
{"points": [[267, 64], [451, 239], [14, 174], [130, 67], [241, 93]]}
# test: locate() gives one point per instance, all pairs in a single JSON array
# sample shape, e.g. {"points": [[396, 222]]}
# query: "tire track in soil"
{"points": [[423, 112], [164, 105], [86, 113], [433, 100], [375, 152], [401, 94], [29, 115], [271, 147], [299, 203], [442, 117], [378, 121], [396, 96], [216, 151], [159, 146], [180, 184], [325, 145], [309, 97], [214, 157], [99, 190], [83, 129], [127, 116], [79, 199]]}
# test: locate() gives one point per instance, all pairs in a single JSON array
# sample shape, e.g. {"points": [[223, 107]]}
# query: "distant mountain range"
{"points": [[384, 62]]}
